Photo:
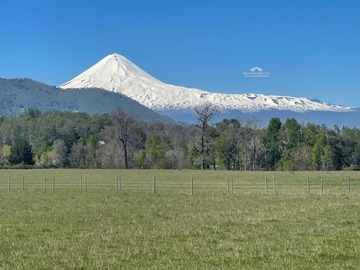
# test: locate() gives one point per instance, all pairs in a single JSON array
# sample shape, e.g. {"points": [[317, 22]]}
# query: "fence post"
{"points": [[349, 184], [274, 186], [85, 183], [9, 180], [228, 184], [53, 183], [81, 180], [232, 185], [308, 184], [154, 185], [266, 185], [117, 183], [192, 186], [322, 186], [45, 184]]}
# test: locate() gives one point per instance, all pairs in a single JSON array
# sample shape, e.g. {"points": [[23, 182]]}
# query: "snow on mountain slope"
{"points": [[117, 74]]}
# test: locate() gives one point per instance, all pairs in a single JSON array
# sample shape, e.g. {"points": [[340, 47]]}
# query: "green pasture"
{"points": [[100, 228], [183, 182]]}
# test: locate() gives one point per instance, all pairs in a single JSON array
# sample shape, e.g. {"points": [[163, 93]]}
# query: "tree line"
{"points": [[118, 140]]}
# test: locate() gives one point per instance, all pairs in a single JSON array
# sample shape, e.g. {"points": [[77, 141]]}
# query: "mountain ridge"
{"points": [[19, 94], [115, 73]]}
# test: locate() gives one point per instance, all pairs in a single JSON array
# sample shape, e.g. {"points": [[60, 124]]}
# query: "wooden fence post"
{"points": [[228, 184], [192, 186], [85, 183], [232, 185], [349, 184], [53, 183], [23, 183], [9, 180], [274, 186], [154, 185], [266, 185], [45, 184], [117, 183], [308, 184], [81, 180], [322, 186]]}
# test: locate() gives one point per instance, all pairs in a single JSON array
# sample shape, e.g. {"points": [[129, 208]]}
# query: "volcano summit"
{"points": [[117, 74]]}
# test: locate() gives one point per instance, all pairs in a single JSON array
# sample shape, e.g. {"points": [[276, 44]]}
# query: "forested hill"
{"points": [[78, 140], [17, 95]]}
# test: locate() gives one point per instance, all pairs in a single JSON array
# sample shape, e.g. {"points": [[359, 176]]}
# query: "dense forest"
{"points": [[118, 140]]}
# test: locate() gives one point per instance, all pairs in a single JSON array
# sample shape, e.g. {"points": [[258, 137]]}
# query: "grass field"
{"points": [[173, 181], [169, 229]]}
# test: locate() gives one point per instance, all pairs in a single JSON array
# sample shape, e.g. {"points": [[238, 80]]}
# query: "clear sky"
{"points": [[310, 47]]}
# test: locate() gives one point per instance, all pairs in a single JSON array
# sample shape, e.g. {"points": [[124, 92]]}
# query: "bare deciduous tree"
{"points": [[123, 126], [204, 114]]}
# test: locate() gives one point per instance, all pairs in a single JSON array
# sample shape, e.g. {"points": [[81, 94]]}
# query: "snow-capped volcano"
{"points": [[115, 73]]}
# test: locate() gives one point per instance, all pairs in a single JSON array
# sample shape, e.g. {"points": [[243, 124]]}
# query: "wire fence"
{"points": [[191, 185]]}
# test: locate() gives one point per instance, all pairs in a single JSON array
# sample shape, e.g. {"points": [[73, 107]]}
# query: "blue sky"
{"points": [[311, 48]]}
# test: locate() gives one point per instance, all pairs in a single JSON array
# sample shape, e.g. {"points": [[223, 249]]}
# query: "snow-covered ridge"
{"points": [[117, 74]]}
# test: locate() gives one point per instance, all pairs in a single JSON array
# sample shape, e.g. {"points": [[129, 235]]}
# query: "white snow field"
{"points": [[117, 74]]}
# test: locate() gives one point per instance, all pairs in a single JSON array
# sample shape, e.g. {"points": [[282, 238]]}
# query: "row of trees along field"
{"points": [[78, 140]]}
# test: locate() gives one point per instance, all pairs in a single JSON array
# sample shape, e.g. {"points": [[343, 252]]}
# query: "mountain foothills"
{"points": [[37, 139], [17, 95]]}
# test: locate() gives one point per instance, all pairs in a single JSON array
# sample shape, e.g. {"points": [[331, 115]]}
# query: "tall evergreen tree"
{"points": [[272, 141], [318, 151], [21, 153]]}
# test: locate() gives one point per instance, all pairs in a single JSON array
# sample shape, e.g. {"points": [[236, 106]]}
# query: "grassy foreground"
{"points": [[102, 229], [179, 182]]}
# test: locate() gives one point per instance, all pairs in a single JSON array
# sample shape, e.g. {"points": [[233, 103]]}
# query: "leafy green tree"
{"points": [[336, 150], [140, 159], [223, 152], [318, 151], [156, 152], [285, 163], [291, 134], [21, 153], [227, 144], [310, 133], [272, 141], [31, 113], [328, 159], [351, 147], [4, 153], [290, 138]]}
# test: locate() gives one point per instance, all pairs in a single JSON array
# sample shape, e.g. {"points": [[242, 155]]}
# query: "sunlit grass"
{"points": [[335, 183], [136, 229]]}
